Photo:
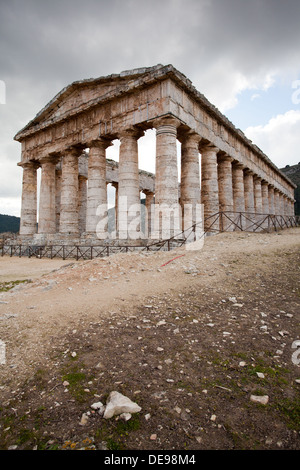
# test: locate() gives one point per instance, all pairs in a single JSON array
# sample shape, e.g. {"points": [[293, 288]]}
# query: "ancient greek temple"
{"points": [[221, 169]]}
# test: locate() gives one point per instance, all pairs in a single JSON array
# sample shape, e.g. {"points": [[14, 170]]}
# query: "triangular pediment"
{"points": [[81, 95]]}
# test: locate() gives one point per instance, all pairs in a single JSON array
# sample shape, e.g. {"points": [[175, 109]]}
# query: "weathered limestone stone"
{"points": [[276, 202], [257, 195], [166, 182], [271, 200], [69, 193], [47, 209], [265, 197], [97, 192], [225, 192], [238, 192], [249, 199], [57, 196], [190, 178], [29, 199], [148, 204], [128, 190], [209, 187], [118, 403], [82, 203]]}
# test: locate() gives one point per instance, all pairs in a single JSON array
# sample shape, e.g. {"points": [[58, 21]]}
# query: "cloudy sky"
{"points": [[244, 55]]}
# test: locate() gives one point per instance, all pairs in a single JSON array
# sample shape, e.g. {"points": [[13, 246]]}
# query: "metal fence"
{"points": [[219, 222]]}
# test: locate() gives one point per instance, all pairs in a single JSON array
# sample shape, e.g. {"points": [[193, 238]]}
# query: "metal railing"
{"points": [[218, 222]]}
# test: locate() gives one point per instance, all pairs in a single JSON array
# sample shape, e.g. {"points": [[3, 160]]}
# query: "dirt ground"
{"points": [[191, 336]]}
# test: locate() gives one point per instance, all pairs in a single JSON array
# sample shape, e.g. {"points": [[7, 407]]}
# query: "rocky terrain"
{"points": [[203, 343]]}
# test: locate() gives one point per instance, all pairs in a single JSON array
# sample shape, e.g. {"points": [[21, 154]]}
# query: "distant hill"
{"points": [[9, 223], [293, 172]]}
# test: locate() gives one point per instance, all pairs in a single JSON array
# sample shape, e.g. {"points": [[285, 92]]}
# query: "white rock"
{"points": [[262, 399], [125, 416], [98, 406], [84, 419], [260, 375], [118, 404]]}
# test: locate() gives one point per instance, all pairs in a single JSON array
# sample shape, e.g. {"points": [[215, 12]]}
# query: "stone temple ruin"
{"points": [[220, 168]]}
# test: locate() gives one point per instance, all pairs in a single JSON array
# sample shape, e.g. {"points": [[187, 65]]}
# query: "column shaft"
{"points": [[249, 199], [271, 200], [129, 210], [190, 194], [47, 208], [82, 203], [69, 193], [225, 192], [96, 213], [209, 187], [29, 199]]}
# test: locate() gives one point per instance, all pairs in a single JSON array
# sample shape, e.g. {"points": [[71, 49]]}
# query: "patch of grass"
{"points": [[290, 409], [6, 286]]}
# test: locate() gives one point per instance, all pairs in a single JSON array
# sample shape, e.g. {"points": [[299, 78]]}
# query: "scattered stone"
{"points": [[153, 437], [260, 375], [84, 419], [118, 404], [98, 406], [261, 399], [125, 416]]}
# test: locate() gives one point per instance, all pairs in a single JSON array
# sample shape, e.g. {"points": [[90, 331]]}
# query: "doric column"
{"points": [[167, 216], [190, 194], [265, 197], [148, 205], [57, 196], [249, 191], [249, 199], [292, 207], [209, 187], [276, 202], [166, 173], [47, 208], [97, 192], [116, 186], [281, 204], [271, 200], [225, 192], [69, 192], [257, 195], [238, 187], [29, 199], [128, 190], [82, 203]]}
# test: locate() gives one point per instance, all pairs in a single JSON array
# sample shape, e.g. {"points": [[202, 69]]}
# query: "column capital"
{"points": [[257, 178], [238, 165], [210, 148], [99, 143], [54, 159], [225, 158], [131, 132], [75, 151], [34, 164], [249, 172], [167, 120], [191, 136]]}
